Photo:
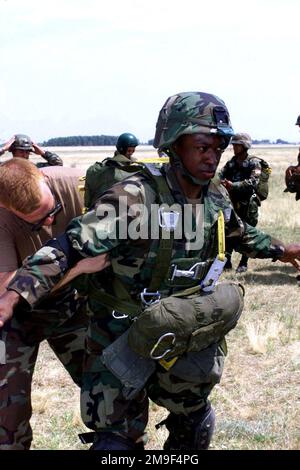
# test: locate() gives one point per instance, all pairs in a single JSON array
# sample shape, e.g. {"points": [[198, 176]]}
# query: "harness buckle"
{"points": [[192, 273], [150, 298], [168, 220], [166, 335]]}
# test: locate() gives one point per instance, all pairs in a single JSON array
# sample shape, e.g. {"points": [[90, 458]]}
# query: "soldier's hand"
{"points": [[84, 266], [93, 265], [7, 144], [7, 303], [227, 184], [37, 150], [291, 255]]}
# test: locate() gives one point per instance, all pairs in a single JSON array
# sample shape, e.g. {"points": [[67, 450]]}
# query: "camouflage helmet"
{"points": [[126, 140], [242, 139], [21, 142], [191, 113], [298, 121]]}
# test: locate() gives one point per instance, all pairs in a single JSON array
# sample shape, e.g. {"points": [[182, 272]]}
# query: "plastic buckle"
{"points": [[166, 335], [153, 297]]}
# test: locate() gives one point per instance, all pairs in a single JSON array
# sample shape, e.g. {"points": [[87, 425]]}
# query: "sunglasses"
{"points": [[38, 225]]}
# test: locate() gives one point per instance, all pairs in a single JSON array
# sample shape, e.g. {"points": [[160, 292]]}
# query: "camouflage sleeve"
{"points": [[251, 241], [120, 208], [52, 159], [250, 184], [223, 172], [38, 274], [97, 232]]}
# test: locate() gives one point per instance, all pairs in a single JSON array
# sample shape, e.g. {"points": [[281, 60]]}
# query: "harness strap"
{"points": [[129, 307], [221, 236]]}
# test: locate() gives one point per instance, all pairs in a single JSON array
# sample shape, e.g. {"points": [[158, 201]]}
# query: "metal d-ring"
{"points": [[166, 335], [118, 315]]}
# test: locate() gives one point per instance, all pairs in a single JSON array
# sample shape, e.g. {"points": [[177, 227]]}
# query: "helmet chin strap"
{"points": [[177, 163]]}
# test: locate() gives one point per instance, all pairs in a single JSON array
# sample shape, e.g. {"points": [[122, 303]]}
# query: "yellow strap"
{"points": [[221, 236]]}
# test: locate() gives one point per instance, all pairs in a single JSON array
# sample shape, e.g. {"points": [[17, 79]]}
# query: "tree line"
{"points": [[81, 140], [98, 140]]}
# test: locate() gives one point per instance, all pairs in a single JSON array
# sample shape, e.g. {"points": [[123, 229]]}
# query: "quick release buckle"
{"points": [[192, 273], [166, 335], [150, 298]]}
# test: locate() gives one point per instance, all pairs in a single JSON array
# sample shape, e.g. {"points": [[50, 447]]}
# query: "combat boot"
{"points": [[243, 265], [112, 441], [193, 432]]}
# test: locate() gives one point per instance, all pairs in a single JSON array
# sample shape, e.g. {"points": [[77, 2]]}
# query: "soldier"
{"points": [[34, 207], [174, 350], [126, 145], [21, 146], [101, 175], [240, 176], [292, 174]]}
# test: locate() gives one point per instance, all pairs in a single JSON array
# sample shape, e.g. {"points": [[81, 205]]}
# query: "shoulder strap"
{"points": [[166, 239]]}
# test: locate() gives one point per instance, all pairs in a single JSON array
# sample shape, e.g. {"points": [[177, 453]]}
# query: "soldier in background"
{"points": [[20, 145], [292, 174], [240, 176], [101, 175], [126, 145], [193, 129]]}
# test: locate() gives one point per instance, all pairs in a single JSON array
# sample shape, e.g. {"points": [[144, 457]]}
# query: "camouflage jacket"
{"points": [[133, 250], [245, 177]]}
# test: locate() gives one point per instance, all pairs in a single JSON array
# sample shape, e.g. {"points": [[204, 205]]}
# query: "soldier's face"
{"points": [[46, 207], [129, 152], [200, 154], [238, 150]]}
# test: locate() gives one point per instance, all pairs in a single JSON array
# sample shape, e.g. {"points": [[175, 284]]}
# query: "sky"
{"points": [[89, 67]]}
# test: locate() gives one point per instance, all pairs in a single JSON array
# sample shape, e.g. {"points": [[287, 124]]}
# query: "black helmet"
{"points": [[21, 142], [298, 121], [126, 140]]}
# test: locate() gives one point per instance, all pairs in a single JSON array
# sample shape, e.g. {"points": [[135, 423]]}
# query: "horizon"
{"points": [[69, 68]]}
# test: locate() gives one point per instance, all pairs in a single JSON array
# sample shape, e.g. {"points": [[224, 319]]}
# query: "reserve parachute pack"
{"points": [[102, 175], [262, 189]]}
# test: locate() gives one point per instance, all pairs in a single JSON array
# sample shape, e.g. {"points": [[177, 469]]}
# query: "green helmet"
{"points": [[126, 140], [298, 121], [21, 142], [191, 113], [242, 139]]}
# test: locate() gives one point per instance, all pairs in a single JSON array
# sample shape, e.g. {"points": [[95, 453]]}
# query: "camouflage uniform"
{"points": [[105, 408], [245, 178], [61, 321], [103, 405]]}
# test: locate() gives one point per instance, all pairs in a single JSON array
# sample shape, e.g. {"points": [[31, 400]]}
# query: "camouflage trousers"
{"points": [[63, 324], [248, 211], [103, 406]]}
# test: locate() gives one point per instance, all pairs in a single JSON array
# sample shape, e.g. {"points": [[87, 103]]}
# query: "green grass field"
{"points": [[257, 403]]}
